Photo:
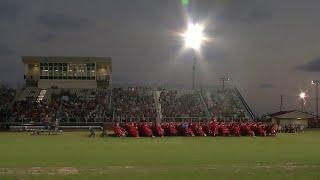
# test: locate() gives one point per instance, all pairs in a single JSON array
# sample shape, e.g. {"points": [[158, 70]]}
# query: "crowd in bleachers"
{"points": [[32, 111], [185, 105], [128, 103], [6, 97], [224, 104], [96, 106], [64, 103], [133, 102]]}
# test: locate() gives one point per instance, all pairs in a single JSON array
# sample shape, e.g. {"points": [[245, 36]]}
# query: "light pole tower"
{"points": [[281, 102], [193, 71], [316, 82], [303, 101], [193, 38]]}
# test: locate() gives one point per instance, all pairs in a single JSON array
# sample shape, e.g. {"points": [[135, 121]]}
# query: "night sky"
{"points": [[267, 48]]}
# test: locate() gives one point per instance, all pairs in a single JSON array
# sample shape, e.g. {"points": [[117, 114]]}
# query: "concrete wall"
{"points": [[32, 70], [290, 121], [102, 70]]}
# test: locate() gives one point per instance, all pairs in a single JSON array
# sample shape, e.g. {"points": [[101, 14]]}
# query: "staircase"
{"points": [[59, 111], [48, 95], [110, 102], [41, 95], [245, 105], [16, 97], [204, 105], [158, 105]]}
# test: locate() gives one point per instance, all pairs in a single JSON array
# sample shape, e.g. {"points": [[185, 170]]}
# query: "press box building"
{"points": [[67, 72]]}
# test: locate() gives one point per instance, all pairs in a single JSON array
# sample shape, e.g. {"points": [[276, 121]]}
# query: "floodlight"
{"points": [[194, 36], [315, 82]]}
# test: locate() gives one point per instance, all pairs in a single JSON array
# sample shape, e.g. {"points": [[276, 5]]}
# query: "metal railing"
{"points": [[185, 119], [123, 119], [62, 120], [244, 103], [204, 104], [135, 119], [164, 119]]}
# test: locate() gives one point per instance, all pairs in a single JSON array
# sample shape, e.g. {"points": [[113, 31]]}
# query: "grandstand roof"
{"points": [[37, 59], [279, 114]]}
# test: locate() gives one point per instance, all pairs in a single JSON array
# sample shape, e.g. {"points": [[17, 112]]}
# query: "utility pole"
{"points": [[281, 102], [193, 71], [317, 102]]}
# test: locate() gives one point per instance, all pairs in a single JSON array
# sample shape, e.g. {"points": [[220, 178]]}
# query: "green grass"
{"points": [[75, 156]]}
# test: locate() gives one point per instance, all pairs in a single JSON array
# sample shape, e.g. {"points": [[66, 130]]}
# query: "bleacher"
{"points": [[7, 95], [225, 104], [134, 103], [182, 104], [91, 108], [80, 105], [29, 93]]}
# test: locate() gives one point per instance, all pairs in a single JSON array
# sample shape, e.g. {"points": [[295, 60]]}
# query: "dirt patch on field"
{"points": [[209, 167], [4, 171], [232, 168], [36, 171], [236, 168], [68, 171], [287, 165], [39, 171], [293, 166]]}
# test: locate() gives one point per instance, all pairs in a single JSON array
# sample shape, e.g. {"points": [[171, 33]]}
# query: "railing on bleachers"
{"points": [[244, 103]]}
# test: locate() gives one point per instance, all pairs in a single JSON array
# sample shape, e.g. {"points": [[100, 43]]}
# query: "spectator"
{"points": [[134, 102], [6, 97], [186, 105]]}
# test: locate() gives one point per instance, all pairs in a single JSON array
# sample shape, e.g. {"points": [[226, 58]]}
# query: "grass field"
{"points": [[75, 156]]}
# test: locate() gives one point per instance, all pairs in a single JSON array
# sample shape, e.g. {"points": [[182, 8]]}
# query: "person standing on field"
{"points": [[92, 132]]}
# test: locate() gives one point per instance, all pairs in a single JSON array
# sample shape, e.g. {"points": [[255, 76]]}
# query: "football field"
{"points": [[73, 155]]}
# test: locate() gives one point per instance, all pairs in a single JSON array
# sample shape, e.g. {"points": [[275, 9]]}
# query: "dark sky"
{"points": [[267, 48]]}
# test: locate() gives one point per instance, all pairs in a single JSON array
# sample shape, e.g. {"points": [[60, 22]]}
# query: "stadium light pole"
{"points": [[303, 101], [316, 82], [193, 38]]}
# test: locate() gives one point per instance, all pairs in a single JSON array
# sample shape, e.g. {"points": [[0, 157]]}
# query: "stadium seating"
{"points": [[134, 103], [181, 105], [6, 97], [32, 111], [29, 93], [93, 105], [125, 104], [224, 104]]}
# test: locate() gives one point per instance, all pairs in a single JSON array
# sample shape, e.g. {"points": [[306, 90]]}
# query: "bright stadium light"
{"points": [[194, 36], [303, 101], [302, 95]]}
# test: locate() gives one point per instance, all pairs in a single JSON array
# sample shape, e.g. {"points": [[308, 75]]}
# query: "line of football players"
{"points": [[213, 128]]}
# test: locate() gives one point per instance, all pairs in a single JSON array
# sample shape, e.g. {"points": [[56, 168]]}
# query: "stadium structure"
{"points": [[67, 72], [78, 91]]}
